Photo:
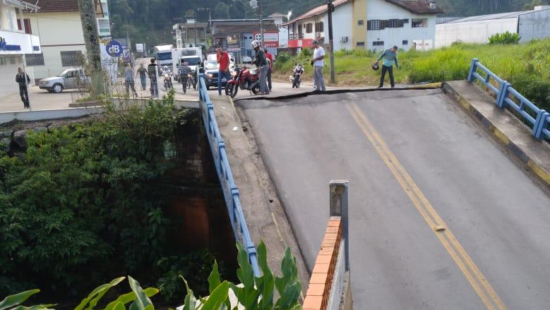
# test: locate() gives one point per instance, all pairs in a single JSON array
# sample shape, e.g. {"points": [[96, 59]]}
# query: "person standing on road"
{"points": [[390, 57], [129, 80], [142, 76], [261, 63], [223, 67], [269, 57], [152, 70], [23, 80], [184, 71], [318, 63]]}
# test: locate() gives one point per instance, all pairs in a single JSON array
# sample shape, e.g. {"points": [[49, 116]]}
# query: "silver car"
{"points": [[68, 79]]}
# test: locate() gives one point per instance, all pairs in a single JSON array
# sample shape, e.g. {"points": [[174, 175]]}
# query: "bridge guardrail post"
{"points": [[503, 94], [339, 207], [540, 124], [473, 68]]}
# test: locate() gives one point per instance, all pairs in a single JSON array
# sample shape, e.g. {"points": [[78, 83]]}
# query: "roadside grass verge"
{"points": [[525, 66]]}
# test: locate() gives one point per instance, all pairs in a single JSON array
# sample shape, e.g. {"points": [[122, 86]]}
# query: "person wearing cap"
{"points": [[318, 63], [390, 57]]}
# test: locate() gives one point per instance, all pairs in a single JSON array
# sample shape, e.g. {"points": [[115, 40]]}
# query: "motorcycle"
{"points": [[243, 78], [167, 80], [296, 77]]}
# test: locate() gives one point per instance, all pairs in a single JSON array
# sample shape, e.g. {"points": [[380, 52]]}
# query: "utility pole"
{"points": [[261, 24], [330, 41], [91, 38]]}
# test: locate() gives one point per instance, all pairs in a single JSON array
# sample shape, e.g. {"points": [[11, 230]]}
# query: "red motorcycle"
{"points": [[244, 78]]}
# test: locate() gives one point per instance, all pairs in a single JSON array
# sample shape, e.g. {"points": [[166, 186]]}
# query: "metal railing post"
{"points": [[339, 207], [503, 94], [473, 67], [540, 124]]}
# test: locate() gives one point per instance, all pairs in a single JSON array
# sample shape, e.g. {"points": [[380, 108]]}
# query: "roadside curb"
{"points": [[501, 137]]}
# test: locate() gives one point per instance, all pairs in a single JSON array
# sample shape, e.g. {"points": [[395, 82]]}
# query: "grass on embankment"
{"points": [[525, 66]]}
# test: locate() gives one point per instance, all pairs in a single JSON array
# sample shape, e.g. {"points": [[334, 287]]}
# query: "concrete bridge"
{"points": [[449, 200]]}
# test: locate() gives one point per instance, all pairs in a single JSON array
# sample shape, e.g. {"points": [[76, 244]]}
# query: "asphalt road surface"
{"points": [[440, 217]]}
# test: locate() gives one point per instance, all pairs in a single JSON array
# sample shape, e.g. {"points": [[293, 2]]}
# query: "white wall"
{"points": [[472, 32], [535, 25], [382, 10], [8, 18], [8, 71], [58, 32], [342, 26]]}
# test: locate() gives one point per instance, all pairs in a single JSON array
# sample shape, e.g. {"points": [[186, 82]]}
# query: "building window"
{"points": [[406, 21], [420, 22], [319, 27], [309, 28], [360, 22], [378, 43], [395, 23], [374, 25], [26, 23], [360, 44], [71, 58], [34, 59], [405, 42]]}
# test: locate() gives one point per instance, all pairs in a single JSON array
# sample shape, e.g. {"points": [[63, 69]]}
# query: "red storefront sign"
{"points": [[271, 38], [300, 43]]}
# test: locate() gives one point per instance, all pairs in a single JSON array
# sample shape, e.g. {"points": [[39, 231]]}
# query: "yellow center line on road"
{"points": [[464, 262]]}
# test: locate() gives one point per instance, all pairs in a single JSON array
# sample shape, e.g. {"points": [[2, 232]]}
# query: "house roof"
{"points": [[277, 14], [417, 7], [491, 17], [316, 11], [54, 6]]}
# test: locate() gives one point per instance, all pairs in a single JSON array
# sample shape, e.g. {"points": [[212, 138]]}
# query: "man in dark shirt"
{"points": [[261, 63], [23, 80], [152, 70]]}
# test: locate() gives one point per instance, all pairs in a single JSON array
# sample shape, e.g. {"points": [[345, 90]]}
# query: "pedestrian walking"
{"points": [[142, 76], [318, 63], [269, 57], [390, 57], [129, 80], [261, 63], [152, 71], [184, 71], [222, 58], [23, 80]]}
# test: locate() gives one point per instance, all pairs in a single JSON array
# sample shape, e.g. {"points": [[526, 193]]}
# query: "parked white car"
{"points": [[68, 79]]}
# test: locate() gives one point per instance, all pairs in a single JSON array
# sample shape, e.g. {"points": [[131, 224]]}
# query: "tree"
{"points": [[221, 11]]}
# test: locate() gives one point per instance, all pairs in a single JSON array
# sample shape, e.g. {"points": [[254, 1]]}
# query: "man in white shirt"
{"points": [[318, 63]]}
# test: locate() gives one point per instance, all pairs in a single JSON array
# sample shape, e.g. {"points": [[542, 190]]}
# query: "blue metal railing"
{"points": [[230, 190], [507, 96]]}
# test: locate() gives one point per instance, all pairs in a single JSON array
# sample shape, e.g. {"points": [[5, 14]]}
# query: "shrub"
{"points": [[305, 53], [505, 38], [85, 195], [283, 57]]}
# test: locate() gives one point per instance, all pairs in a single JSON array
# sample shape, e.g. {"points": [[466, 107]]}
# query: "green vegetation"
{"points": [[86, 203], [526, 66], [150, 21], [254, 293], [505, 38]]}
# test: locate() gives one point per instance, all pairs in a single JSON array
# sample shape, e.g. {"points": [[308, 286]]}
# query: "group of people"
{"points": [[263, 61]]}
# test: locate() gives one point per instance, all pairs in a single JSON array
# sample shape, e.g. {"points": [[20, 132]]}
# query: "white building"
{"points": [[478, 29], [59, 27], [405, 24], [313, 25], [15, 42]]}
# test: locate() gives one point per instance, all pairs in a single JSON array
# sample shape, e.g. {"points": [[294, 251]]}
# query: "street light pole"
{"points": [[261, 23], [330, 8]]}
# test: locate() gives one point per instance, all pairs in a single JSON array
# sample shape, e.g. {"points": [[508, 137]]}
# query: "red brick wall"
{"points": [[318, 292]]}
